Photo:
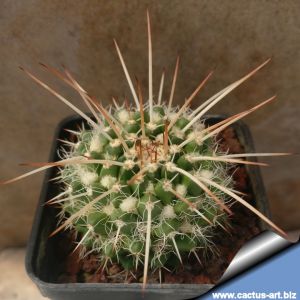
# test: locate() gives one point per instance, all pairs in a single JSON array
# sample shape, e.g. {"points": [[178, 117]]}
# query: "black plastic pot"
{"points": [[43, 262]]}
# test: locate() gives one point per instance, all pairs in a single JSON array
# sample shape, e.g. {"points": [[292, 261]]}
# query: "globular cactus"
{"points": [[146, 184], [141, 179]]}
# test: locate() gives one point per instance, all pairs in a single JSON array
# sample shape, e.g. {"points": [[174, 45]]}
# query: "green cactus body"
{"points": [[183, 216]]}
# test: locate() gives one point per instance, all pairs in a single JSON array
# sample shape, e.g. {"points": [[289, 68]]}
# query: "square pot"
{"points": [[43, 262]]}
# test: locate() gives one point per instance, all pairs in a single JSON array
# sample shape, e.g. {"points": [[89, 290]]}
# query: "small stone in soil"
{"points": [[91, 264], [114, 269]]}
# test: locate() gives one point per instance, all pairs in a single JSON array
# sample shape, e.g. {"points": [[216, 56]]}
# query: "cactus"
{"points": [[145, 184], [137, 194]]}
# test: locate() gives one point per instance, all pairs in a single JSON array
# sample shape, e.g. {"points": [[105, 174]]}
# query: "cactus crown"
{"points": [[146, 183]]}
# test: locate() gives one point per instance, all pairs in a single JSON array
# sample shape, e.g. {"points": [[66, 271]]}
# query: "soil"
{"points": [[243, 226]]}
